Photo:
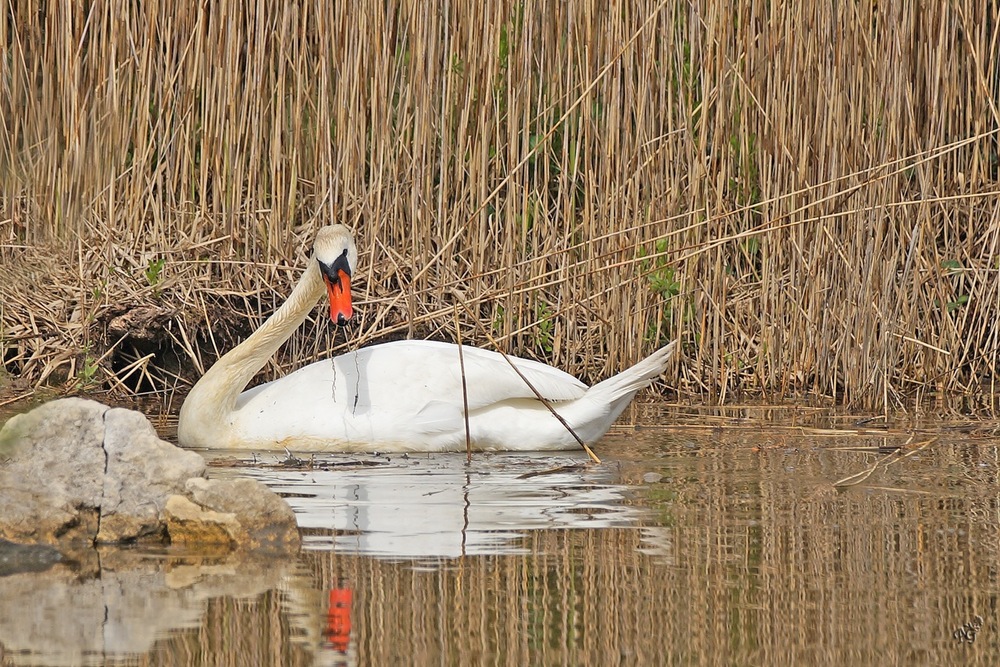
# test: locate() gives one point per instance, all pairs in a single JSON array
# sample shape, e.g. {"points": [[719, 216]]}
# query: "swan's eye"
{"points": [[341, 264], [333, 270]]}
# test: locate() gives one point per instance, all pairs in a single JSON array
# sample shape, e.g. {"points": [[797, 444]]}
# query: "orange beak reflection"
{"points": [[339, 290]]}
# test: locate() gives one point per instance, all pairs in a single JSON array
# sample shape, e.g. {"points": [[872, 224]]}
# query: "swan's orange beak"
{"points": [[341, 310], [337, 277]]}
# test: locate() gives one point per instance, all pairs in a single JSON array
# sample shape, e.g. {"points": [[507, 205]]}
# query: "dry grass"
{"points": [[806, 195]]}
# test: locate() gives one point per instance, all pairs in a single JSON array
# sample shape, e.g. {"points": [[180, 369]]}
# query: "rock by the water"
{"points": [[76, 471], [190, 523], [265, 519], [52, 472], [142, 472]]}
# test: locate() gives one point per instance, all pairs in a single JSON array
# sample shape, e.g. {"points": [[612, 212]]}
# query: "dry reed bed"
{"points": [[806, 195]]}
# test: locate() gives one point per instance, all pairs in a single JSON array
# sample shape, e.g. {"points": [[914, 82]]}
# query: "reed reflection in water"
{"points": [[741, 553]]}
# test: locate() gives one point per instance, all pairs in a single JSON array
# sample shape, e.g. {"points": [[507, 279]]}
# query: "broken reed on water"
{"points": [[806, 196]]}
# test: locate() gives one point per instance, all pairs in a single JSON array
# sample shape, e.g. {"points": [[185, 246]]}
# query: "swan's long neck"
{"points": [[213, 397]]}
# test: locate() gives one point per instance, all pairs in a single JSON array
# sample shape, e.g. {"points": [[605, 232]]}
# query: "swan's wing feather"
{"points": [[434, 367], [491, 378]]}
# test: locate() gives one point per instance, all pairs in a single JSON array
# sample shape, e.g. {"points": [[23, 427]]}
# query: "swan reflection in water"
{"points": [[424, 510], [438, 506]]}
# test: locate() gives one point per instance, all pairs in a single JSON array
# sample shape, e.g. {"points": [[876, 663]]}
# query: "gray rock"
{"points": [[191, 524], [75, 471], [142, 472], [266, 519], [51, 472]]}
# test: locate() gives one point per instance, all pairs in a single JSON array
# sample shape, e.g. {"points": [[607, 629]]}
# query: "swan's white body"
{"points": [[401, 396]]}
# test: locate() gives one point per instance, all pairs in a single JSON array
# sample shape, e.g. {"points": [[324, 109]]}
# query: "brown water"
{"points": [[699, 546]]}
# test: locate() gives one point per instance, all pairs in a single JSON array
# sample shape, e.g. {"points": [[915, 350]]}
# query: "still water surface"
{"points": [[690, 546]]}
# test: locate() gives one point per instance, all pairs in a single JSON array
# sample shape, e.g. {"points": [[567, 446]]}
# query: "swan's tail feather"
{"points": [[634, 378], [592, 415]]}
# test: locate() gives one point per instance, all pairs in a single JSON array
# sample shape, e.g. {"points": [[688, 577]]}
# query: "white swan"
{"points": [[394, 397]]}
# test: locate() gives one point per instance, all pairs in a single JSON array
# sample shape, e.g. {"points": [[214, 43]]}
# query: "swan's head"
{"points": [[337, 255]]}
